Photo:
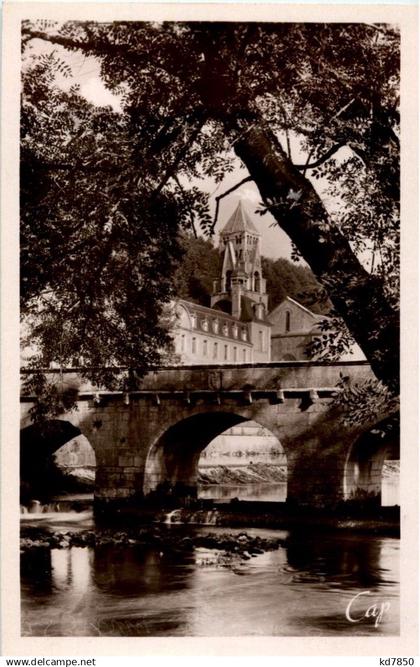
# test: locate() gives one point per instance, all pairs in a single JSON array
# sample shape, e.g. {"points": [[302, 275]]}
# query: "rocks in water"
{"points": [[228, 548]]}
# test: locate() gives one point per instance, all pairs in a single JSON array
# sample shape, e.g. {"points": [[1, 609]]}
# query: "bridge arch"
{"points": [[363, 476], [47, 452], [172, 461]]}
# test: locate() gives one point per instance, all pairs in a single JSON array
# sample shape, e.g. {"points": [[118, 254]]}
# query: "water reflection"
{"points": [[357, 561], [275, 492], [299, 590]]}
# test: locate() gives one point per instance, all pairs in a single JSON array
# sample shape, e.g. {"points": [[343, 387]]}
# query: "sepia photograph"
{"points": [[209, 299]]}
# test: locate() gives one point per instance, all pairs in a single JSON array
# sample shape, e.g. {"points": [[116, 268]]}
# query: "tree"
{"points": [[195, 93], [92, 286]]}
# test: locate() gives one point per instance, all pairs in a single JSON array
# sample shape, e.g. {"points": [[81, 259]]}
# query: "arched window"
{"points": [[287, 324], [257, 281], [228, 280]]}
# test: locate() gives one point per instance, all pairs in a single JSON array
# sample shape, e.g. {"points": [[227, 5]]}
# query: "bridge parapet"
{"points": [[274, 376]]}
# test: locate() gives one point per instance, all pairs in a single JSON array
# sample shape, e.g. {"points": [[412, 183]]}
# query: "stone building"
{"points": [[237, 328], [293, 328]]}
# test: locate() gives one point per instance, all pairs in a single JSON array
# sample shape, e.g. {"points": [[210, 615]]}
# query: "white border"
{"points": [[13, 644]]}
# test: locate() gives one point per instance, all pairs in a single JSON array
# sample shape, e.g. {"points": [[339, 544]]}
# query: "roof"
{"points": [[315, 316], [215, 312], [247, 314], [239, 221]]}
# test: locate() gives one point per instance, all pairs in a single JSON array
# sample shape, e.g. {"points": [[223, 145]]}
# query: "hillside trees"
{"points": [[195, 95], [201, 265]]}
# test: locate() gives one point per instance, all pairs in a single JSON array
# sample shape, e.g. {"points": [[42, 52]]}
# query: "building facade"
{"points": [[235, 329], [293, 329]]}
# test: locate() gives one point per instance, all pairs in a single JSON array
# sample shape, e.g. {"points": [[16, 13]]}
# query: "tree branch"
{"points": [[98, 48], [178, 157], [322, 159], [176, 179]]}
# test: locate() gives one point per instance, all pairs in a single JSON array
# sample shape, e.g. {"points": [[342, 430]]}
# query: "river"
{"points": [[301, 589]]}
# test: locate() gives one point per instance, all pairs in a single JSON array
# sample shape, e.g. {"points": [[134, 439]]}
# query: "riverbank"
{"points": [[360, 516], [251, 473]]}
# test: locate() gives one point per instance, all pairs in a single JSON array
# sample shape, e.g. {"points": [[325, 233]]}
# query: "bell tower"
{"points": [[241, 281]]}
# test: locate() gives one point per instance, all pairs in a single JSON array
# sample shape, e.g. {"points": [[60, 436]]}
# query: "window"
{"points": [[194, 345], [215, 350], [260, 341], [204, 348], [257, 282], [244, 354], [183, 343], [287, 325], [226, 353], [234, 354]]}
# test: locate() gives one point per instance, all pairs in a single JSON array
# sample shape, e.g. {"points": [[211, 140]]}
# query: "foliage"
{"points": [[199, 267], [97, 251], [362, 400], [50, 399], [287, 279]]}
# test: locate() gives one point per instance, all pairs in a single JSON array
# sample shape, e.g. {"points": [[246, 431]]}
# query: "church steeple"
{"points": [[241, 271]]}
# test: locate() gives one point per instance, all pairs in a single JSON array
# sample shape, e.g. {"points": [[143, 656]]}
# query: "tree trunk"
{"points": [[357, 296]]}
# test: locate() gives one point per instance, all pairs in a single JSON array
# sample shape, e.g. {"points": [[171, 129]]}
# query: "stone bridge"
{"points": [[151, 438]]}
